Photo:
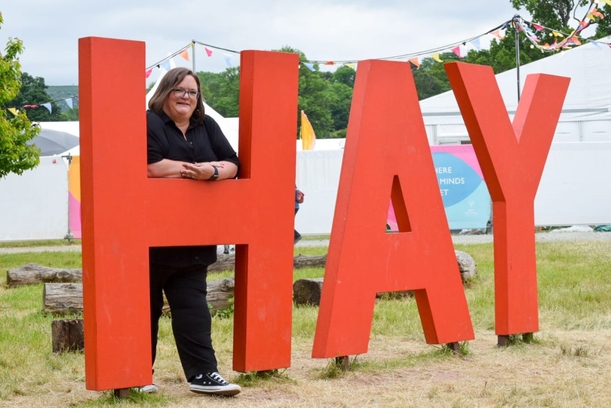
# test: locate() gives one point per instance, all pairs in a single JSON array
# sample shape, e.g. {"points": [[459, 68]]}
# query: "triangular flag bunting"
{"points": [[166, 65], [415, 62], [497, 34], [436, 57], [69, 102], [208, 51], [148, 73], [456, 50], [308, 65], [227, 60], [476, 43], [49, 107], [185, 54], [13, 111]]}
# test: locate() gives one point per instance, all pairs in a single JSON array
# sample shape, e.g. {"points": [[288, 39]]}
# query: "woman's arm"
{"points": [[204, 171], [165, 168]]}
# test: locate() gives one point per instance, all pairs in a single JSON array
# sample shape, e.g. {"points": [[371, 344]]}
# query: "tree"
{"points": [[16, 155], [34, 93], [324, 96], [554, 14], [604, 25]]}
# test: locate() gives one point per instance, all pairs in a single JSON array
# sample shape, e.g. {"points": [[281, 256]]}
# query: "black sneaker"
{"points": [[213, 384]]}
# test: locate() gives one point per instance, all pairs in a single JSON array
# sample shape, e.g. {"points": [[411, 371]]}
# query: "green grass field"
{"points": [[567, 365]]}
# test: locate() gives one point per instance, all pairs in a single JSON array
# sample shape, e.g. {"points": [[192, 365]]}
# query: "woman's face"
{"points": [[182, 100]]}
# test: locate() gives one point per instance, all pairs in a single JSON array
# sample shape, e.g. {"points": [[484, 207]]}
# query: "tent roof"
{"points": [[52, 142], [588, 97]]}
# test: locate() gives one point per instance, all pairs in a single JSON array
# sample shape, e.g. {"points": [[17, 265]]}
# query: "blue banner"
{"points": [[462, 187]]}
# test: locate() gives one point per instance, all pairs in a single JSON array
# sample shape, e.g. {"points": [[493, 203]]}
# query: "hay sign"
{"points": [[387, 155]]}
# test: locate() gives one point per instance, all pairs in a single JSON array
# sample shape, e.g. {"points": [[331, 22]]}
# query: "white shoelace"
{"points": [[217, 377]]}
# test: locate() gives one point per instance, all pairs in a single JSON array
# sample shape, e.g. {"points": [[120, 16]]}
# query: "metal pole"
{"points": [[193, 54], [516, 19]]}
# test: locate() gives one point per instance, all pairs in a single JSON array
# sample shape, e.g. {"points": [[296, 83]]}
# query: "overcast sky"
{"points": [[321, 29]]}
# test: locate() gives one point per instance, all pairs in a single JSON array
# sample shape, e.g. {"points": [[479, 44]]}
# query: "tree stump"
{"points": [[63, 298], [32, 273], [307, 291], [67, 335], [466, 265]]}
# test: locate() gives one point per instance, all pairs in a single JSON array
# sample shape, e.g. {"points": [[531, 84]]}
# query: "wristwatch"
{"points": [[215, 175]]}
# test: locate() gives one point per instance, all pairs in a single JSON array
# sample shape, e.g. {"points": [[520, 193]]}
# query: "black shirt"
{"points": [[205, 142]]}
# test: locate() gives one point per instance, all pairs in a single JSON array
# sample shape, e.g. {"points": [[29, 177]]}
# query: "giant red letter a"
{"points": [[387, 155]]}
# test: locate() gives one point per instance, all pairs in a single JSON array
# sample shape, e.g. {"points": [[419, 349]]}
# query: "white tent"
{"points": [[586, 114]]}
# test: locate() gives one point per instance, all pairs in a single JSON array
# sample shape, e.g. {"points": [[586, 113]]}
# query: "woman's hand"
{"points": [[200, 171]]}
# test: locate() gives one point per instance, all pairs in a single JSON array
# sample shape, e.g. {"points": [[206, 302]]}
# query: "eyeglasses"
{"points": [[180, 93]]}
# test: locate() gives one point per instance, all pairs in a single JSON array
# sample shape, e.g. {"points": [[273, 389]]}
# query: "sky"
{"points": [[324, 30]]}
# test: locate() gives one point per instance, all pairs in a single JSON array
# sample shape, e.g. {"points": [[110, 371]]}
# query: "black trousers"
{"points": [[185, 289]]}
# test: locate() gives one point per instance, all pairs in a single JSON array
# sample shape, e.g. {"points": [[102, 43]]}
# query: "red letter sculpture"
{"points": [[125, 213], [387, 155], [512, 158]]}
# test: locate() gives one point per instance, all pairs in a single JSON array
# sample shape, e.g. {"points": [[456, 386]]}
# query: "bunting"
{"points": [[536, 33]]}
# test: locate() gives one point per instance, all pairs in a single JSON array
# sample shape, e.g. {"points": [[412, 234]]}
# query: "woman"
{"points": [[184, 142]]}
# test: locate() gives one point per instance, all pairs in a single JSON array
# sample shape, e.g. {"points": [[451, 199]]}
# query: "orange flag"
{"points": [[308, 137], [185, 54]]}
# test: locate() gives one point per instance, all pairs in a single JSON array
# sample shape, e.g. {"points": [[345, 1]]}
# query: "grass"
{"points": [[566, 365]]}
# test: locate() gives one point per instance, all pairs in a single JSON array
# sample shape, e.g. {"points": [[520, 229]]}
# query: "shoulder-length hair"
{"points": [[169, 81]]}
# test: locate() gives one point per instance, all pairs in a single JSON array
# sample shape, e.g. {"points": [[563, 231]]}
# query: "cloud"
{"points": [[323, 30]]}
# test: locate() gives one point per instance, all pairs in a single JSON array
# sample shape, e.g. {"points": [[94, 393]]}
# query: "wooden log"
{"points": [[309, 261], [308, 291], [63, 298], [67, 335], [227, 262], [224, 262], [33, 273], [220, 294]]}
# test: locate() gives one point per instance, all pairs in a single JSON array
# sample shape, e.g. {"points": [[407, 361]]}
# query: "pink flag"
{"points": [[208, 51], [148, 72], [456, 50]]}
